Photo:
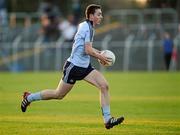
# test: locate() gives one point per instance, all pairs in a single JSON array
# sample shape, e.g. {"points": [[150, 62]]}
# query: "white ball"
{"points": [[110, 55]]}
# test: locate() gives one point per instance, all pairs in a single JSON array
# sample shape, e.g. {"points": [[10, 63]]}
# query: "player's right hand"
{"points": [[104, 60]]}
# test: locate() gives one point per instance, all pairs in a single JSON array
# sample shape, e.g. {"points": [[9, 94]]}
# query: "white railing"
{"points": [[150, 53], [128, 55], [128, 43]]}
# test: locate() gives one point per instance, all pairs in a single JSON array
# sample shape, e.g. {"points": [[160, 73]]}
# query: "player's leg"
{"points": [[58, 93], [97, 79], [63, 88]]}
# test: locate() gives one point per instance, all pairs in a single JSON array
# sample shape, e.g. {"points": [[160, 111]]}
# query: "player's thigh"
{"points": [[63, 88], [97, 79]]}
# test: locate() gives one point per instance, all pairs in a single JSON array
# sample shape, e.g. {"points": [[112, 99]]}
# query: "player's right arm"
{"points": [[95, 53], [85, 33]]}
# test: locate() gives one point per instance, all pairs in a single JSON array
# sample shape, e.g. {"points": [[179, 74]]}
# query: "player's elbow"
{"points": [[88, 49]]}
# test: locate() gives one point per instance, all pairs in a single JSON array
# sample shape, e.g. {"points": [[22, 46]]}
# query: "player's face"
{"points": [[97, 17]]}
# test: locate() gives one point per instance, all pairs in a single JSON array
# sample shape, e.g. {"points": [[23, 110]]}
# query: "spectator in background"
{"points": [[48, 7], [76, 11], [50, 14], [14, 29], [174, 61], [68, 29], [179, 29], [44, 23], [11, 31], [12, 21], [27, 26], [49, 29], [50, 34], [168, 49], [3, 13]]}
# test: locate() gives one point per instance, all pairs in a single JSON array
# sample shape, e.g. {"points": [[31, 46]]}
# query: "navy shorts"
{"points": [[72, 73]]}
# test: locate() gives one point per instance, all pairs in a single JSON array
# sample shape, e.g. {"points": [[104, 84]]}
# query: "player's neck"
{"points": [[92, 23]]}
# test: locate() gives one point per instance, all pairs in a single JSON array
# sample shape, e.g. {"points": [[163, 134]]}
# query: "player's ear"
{"points": [[91, 16]]}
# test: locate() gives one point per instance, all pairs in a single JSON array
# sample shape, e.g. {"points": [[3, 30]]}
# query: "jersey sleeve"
{"points": [[87, 36], [85, 33]]}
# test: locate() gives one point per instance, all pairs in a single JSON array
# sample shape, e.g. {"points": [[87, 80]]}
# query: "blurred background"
{"points": [[38, 35]]}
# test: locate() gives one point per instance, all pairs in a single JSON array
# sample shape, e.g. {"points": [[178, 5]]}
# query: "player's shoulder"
{"points": [[83, 25]]}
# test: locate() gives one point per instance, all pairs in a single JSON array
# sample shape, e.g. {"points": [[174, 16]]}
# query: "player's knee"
{"points": [[59, 96], [104, 87]]}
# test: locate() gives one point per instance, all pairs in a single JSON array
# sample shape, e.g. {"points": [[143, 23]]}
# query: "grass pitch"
{"points": [[150, 103]]}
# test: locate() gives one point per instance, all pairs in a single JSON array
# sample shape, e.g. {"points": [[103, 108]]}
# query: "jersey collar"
{"points": [[91, 22]]}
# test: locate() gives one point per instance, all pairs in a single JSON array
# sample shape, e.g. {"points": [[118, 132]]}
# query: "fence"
{"points": [[146, 56]]}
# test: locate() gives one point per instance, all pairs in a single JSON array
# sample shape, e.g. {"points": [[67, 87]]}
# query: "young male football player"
{"points": [[78, 67]]}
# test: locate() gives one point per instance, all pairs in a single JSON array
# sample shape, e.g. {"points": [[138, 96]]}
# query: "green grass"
{"points": [[150, 103]]}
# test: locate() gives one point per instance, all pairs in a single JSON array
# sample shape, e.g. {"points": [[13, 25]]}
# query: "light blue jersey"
{"points": [[85, 34]]}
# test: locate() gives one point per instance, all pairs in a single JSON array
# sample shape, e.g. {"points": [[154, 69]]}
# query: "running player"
{"points": [[78, 67]]}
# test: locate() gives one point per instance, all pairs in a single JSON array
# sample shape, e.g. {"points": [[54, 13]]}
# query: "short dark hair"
{"points": [[91, 9]]}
